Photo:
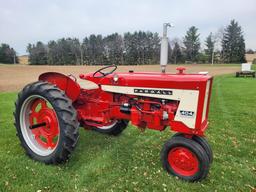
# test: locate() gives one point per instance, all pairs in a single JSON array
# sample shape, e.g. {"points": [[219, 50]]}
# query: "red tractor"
{"points": [[50, 111]]}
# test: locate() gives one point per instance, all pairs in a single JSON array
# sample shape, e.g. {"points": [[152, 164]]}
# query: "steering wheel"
{"points": [[102, 73]]}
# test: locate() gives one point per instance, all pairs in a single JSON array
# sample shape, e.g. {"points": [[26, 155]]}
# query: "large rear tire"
{"points": [[46, 123]]}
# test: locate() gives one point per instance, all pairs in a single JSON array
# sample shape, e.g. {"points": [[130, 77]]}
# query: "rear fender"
{"points": [[65, 83]]}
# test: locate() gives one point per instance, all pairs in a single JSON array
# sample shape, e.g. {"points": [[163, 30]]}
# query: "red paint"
{"points": [[97, 107], [156, 80], [181, 70], [183, 161], [42, 113], [65, 83]]}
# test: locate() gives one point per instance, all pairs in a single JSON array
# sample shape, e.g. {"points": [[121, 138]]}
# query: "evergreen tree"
{"points": [[233, 45], [176, 54], [7, 54], [141, 48], [99, 54], [75, 51], [192, 44], [130, 48], [53, 54], [113, 49], [65, 54], [152, 48], [156, 48], [85, 50], [37, 53], [64, 51], [94, 50], [209, 51]]}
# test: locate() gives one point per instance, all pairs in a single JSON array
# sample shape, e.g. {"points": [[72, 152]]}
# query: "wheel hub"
{"points": [[183, 161], [41, 114]]}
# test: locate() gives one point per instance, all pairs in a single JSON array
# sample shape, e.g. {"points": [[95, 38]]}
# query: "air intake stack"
{"points": [[164, 47]]}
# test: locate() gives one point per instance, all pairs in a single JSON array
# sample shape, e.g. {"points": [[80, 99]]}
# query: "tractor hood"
{"points": [[160, 80]]}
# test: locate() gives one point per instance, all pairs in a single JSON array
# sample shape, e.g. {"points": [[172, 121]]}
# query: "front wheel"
{"points": [[185, 158], [46, 123], [203, 142]]}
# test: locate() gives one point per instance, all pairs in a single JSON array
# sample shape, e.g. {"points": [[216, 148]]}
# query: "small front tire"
{"points": [[203, 142], [185, 158]]}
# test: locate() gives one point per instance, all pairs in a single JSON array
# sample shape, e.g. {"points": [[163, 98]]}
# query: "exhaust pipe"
{"points": [[164, 47]]}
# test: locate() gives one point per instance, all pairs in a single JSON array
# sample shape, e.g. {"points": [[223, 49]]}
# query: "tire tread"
{"points": [[66, 113]]}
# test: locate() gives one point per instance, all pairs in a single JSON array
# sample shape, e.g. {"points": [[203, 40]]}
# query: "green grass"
{"points": [[131, 161]]}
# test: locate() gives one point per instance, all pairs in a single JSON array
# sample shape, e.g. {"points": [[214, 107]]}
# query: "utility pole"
{"points": [[164, 47], [14, 57], [81, 54], [212, 55]]}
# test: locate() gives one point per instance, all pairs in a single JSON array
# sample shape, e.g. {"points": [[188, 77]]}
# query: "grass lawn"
{"points": [[131, 161]]}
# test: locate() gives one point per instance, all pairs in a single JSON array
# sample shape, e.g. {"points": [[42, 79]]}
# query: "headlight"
{"points": [[115, 77]]}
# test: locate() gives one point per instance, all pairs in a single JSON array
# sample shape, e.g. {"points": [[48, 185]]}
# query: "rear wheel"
{"points": [[116, 127], [185, 159], [46, 123]]}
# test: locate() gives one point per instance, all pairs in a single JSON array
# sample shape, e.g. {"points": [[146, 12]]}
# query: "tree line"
{"points": [[142, 48], [131, 48], [7, 54], [224, 46]]}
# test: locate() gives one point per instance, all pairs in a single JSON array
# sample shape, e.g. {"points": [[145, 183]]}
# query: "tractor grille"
{"points": [[207, 90]]}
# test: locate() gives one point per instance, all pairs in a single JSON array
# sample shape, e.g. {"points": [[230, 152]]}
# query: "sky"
{"points": [[29, 21]]}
